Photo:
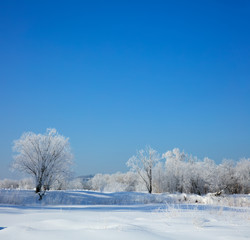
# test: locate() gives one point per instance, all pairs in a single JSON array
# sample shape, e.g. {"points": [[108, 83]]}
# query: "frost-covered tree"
{"points": [[228, 181], [159, 180], [143, 163], [46, 157], [186, 173], [175, 168], [243, 175], [209, 173]]}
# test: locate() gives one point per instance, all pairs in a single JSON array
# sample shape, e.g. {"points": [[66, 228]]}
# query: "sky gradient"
{"points": [[114, 76]]}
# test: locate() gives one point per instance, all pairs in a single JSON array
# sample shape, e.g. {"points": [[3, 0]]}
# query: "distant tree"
{"points": [[46, 157], [143, 163]]}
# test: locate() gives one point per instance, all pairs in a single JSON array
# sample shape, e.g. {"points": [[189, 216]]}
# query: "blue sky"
{"points": [[114, 76]]}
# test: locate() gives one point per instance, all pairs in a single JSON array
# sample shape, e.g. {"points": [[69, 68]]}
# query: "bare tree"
{"points": [[143, 163], [46, 157]]}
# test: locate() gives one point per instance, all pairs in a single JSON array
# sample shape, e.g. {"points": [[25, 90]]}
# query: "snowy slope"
{"points": [[28, 197]]}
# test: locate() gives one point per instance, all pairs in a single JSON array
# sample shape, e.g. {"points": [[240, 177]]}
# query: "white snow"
{"points": [[94, 215]]}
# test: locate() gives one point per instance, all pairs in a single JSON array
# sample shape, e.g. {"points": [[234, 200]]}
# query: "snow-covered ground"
{"points": [[94, 215]]}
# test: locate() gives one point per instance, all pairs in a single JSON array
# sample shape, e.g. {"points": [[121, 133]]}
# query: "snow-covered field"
{"points": [[94, 215]]}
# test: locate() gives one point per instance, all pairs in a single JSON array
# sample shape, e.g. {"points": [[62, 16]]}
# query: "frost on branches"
{"points": [[46, 157]]}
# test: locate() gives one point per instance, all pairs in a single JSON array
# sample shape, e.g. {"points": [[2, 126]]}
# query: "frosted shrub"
{"points": [[114, 182], [9, 184], [26, 183]]}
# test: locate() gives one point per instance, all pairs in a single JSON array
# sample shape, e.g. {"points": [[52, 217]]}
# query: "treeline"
{"points": [[174, 172], [180, 172]]}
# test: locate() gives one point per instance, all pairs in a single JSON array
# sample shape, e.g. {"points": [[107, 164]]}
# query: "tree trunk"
{"points": [[150, 180], [38, 188], [150, 189]]}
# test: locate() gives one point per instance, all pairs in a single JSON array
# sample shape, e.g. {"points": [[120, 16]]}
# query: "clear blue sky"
{"points": [[114, 76]]}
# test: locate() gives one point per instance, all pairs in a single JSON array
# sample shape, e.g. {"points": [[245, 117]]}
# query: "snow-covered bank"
{"points": [[28, 197]]}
